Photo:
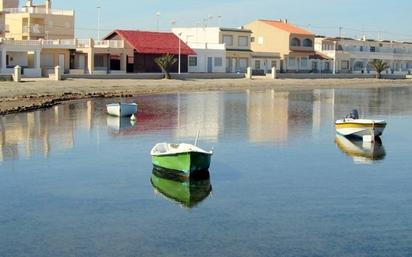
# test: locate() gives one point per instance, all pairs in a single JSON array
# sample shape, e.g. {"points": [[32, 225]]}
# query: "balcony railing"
{"points": [[62, 44], [39, 10], [109, 44]]}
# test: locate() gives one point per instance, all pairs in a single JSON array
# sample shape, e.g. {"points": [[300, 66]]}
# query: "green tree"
{"points": [[379, 66], [166, 62]]}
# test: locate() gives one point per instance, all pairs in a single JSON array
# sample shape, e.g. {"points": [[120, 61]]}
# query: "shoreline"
{"points": [[31, 95]]}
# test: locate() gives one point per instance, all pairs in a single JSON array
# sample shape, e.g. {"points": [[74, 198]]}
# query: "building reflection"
{"points": [[200, 112], [261, 116], [268, 116]]}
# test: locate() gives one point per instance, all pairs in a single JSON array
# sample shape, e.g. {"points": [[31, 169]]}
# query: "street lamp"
{"points": [[158, 20], [180, 52], [98, 21]]}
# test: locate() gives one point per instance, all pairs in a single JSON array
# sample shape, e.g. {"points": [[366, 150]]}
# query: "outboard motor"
{"points": [[353, 115]]}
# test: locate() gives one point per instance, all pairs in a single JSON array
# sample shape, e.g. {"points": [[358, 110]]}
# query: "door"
{"points": [[314, 66], [82, 62], [61, 61], [210, 64]]}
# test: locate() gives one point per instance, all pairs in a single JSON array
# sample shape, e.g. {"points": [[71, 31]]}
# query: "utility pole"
{"points": [[98, 21], [180, 52], [157, 21]]}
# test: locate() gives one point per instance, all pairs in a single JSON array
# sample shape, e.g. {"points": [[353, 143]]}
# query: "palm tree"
{"points": [[165, 62], [379, 66]]}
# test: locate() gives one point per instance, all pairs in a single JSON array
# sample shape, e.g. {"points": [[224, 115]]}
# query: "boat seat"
{"points": [[161, 148]]}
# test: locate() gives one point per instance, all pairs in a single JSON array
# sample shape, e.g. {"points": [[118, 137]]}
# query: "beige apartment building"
{"points": [[295, 45], [35, 21]]}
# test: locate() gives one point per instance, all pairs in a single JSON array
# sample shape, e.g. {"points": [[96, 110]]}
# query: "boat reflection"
{"points": [[186, 192], [361, 151], [119, 124]]}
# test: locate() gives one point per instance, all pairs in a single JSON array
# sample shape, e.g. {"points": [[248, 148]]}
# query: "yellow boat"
{"points": [[353, 126]]}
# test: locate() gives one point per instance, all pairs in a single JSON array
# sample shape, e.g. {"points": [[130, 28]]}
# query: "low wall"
{"points": [[208, 76], [155, 76], [114, 76], [334, 76], [6, 77]]}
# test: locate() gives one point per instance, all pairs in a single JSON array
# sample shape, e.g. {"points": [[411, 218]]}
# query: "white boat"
{"points": [[353, 126], [122, 109]]}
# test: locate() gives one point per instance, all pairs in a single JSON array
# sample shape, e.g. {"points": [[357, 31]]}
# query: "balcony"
{"points": [[109, 44], [37, 10], [35, 29]]}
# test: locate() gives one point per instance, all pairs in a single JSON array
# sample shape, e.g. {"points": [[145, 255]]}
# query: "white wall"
{"points": [[198, 35], [202, 60], [18, 58]]}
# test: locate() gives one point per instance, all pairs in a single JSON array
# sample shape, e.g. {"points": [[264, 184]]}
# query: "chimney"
{"points": [[286, 21], [29, 3]]}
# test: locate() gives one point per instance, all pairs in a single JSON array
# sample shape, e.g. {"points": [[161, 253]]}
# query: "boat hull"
{"points": [[186, 164], [360, 129], [121, 110]]}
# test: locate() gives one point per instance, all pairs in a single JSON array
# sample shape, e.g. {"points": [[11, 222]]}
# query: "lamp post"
{"points": [[98, 21], [180, 52], [157, 21]]}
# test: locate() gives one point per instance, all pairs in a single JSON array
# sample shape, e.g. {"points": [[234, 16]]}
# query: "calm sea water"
{"points": [[74, 182]]}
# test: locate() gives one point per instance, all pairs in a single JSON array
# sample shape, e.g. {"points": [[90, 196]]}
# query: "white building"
{"points": [[218, 49], [354, 56], [210, 58]]}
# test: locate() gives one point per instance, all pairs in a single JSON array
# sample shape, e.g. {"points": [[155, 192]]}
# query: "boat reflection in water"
{"points": [[119, 124], [361, 151], [188, 192]]}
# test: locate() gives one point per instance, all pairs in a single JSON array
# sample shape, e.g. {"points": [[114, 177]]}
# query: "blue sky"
{"points": [[393, 18]]}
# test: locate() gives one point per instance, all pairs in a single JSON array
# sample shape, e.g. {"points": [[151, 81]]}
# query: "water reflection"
{"points": [[186, 192], [361, 151], [118, 125], [260, 116]]}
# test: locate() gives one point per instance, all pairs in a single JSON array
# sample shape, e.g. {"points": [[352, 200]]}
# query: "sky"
{"points": [[379, 19]]}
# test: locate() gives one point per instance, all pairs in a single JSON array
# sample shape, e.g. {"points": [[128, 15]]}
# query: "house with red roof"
{"points": [[146, 46], [295, 45]]}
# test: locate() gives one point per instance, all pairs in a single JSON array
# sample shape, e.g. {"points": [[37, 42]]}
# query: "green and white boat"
{"points": [[186, 192], [184, 159]]}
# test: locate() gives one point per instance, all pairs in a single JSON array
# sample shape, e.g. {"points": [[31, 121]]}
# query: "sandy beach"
{"points": [[42, 93]]}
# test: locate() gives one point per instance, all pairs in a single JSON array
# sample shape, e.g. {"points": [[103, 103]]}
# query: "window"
{"points": [[373, 49], [228, 40], [218, 62], [252, 39], [295, 42], [274, 64], [307, 42], [344, 65], [257, 65], [292, 61], [361, 48], [243, 41], [304, 62], [192, 61]]}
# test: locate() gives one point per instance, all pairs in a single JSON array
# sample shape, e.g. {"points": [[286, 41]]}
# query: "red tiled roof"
{"points": [[153, 42], [287, 27]]}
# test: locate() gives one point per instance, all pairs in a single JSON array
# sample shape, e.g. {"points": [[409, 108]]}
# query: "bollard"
{"points": [[57, 73], [249, 73], [273, 74], [17, 74]]}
